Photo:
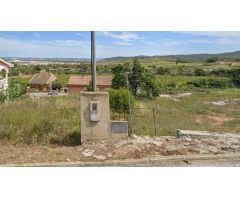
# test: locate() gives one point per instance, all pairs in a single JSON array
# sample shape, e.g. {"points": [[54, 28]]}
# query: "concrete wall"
{"points": [[95, 130], [76, 89]]}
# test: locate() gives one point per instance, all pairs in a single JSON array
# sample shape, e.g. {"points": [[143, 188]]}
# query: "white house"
{"points": [[4, 81]]}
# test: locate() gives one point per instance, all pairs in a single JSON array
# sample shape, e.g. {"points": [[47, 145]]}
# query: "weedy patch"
{"points": [[42, 121]]}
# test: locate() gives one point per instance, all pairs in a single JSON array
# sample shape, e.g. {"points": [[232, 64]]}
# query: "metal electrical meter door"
{"points": [[94, 111]]}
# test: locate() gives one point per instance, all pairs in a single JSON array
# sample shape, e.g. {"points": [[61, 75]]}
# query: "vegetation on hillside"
{"points": [[140, 79]]}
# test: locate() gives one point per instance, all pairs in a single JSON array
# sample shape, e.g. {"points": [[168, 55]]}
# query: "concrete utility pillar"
{"points": [[95, 119], [94, 116], [95, 111]]}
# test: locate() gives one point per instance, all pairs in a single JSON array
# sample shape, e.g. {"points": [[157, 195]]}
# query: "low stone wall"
{"points": [[190, 133]]}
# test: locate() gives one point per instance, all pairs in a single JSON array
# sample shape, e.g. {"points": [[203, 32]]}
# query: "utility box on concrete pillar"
{"points": [[94, 116]]}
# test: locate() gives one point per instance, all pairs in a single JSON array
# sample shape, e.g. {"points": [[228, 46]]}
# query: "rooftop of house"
{"points": [[42, 78], [85, 80]]}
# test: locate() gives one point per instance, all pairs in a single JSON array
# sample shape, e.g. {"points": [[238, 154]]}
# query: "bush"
{"points": [[200, 72], [16, 89], [220, 72], [172, 85], [119, 100], [210, 83], [212, 60], [57, 85], [2, 97], [235, 76], [162, 71]]}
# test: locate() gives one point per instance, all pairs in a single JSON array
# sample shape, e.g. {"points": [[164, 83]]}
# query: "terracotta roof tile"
{"points": [[85, 80]]}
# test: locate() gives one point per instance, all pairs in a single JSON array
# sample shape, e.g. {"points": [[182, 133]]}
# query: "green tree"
{"points": [[119, 100], [136, 77], [150, 86], [57, 85], [16, 89], [119, 75], [140, 79]]}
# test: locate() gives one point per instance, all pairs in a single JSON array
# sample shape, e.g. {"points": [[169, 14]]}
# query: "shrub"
{"points": [[200, 72], [235, 76], [172, 85], [162, 71], [16, 89], [2, 97], [220, 72], [119, 100], [57, 85], [212, 60], [210, 83]]}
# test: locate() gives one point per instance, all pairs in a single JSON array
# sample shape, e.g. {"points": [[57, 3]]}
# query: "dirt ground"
{"points": [[133, 148]]}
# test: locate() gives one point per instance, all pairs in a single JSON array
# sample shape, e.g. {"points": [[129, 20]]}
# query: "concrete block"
{"points": [[119, 129]]}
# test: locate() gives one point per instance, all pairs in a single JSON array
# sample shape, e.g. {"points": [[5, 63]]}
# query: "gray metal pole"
{"points": [[93, 60], [129, 104]]}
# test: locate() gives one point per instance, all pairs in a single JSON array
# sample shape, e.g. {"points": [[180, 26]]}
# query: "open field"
{"points": [[171, 63], [42, 121], [56, 120], [193, 112]]}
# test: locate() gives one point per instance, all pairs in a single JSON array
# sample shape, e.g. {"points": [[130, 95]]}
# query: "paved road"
{"points": [[225, 160]]}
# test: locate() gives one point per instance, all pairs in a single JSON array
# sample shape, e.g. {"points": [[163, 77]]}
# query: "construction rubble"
{"points": [[136, 147]]}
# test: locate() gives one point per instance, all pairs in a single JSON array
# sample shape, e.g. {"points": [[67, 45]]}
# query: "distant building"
{"points": [[42, 82], [4, 81], [80, 83]]}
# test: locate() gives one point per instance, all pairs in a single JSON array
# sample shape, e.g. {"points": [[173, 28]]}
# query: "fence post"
{"points": [[154, 121], [129, 105]]}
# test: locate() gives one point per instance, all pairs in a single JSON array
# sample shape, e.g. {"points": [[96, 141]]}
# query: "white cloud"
{"points": [[57, 48], [125, 36], [215, 33], [122, 43], [64, 43], [225, 40], [184, 42]]}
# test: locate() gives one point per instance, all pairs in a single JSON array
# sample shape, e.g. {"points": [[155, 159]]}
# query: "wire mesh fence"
{"points": [[162, 122]]}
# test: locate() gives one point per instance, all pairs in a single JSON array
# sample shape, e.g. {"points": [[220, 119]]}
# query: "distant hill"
{"points": [[190, 57], [200, 57], [120, 58]]}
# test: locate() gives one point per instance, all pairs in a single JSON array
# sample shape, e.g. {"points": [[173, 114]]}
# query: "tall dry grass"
{"points": [[42, 121]]}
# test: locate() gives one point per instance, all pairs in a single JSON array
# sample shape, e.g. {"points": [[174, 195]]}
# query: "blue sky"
{"points": [[109, 44]]}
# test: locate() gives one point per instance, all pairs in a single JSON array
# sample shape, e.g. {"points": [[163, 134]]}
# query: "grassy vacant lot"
{"points": [[56, 120], [193, 112], [42, 121]]}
